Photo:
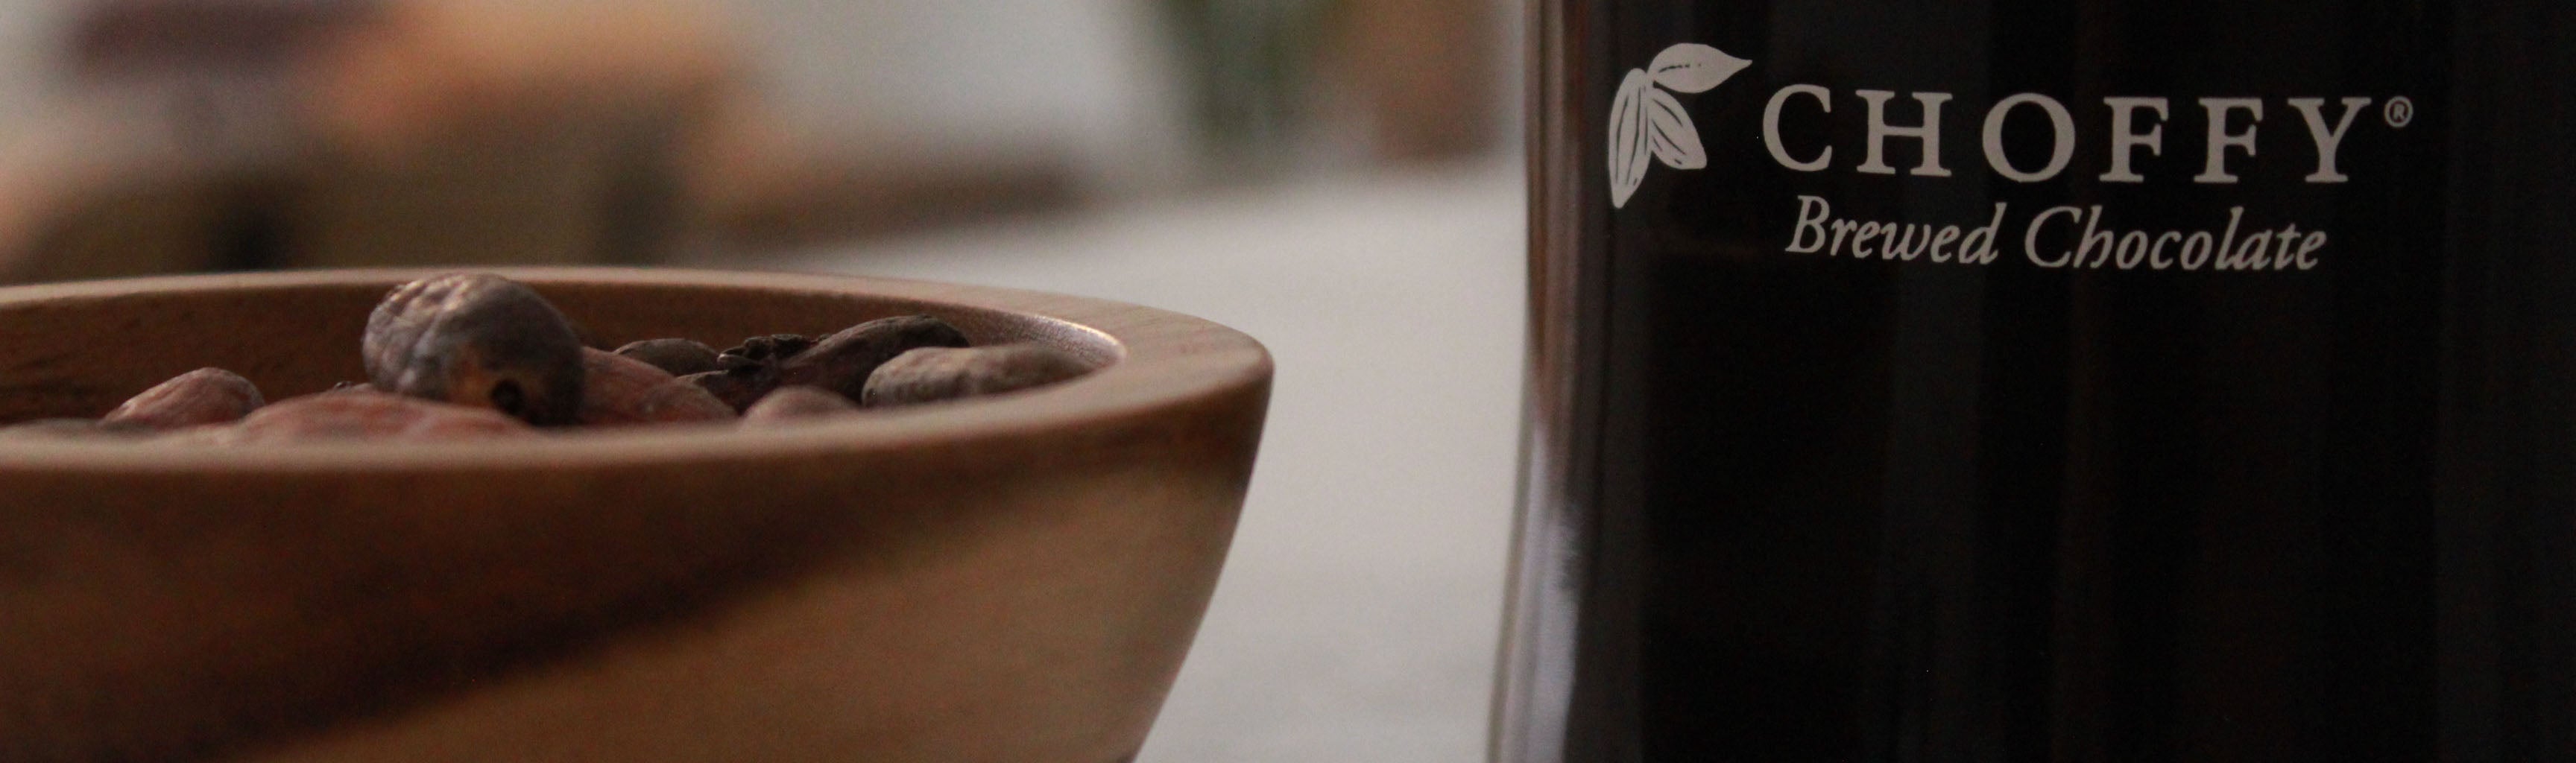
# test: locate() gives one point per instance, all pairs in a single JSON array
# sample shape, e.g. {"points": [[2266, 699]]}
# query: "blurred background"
{"points": [[1338, 178]]}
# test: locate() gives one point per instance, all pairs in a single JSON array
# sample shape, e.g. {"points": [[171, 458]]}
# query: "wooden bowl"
{"points": [[1013, 578]]}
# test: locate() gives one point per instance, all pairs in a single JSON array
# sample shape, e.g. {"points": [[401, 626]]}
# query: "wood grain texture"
{"points": [[1006, 579]]}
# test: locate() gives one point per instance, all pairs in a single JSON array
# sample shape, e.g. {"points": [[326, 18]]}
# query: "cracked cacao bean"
{"points": [[477, 340]]}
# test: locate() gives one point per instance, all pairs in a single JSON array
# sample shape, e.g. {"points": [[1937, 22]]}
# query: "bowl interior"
{"points": [[80, 352]]}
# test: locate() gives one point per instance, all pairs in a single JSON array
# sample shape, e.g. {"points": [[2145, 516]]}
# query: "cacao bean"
{"points": [[793, 403], [677, 357], [939, 373], [196, 398], [351, 415], [478, 340], [842, 362], [619, 390]]}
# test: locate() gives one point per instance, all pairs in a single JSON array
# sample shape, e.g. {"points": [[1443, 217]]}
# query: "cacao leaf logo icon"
{"points": [[1648, 124]]}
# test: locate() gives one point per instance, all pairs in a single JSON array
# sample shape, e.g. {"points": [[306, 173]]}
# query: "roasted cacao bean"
{"points": [[940, 373], [479, 340]]}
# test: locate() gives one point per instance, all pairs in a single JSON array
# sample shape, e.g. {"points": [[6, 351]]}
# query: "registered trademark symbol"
{"points": [[2399, 112]]}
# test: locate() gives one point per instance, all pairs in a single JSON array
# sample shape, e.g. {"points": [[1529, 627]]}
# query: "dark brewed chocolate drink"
{"points": [[2019, 380]]}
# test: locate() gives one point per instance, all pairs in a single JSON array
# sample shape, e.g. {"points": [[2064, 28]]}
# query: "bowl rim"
{"points": [[1165, 359]]}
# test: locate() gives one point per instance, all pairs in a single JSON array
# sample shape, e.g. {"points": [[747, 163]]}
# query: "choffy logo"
{"points": [[1648, 124]]}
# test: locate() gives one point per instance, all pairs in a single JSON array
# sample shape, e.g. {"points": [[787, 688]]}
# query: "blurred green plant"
{"points": [[1251, 66]]}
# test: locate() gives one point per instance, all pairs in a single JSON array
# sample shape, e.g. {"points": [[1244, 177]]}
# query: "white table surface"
{"points": [[1357, 618]]}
